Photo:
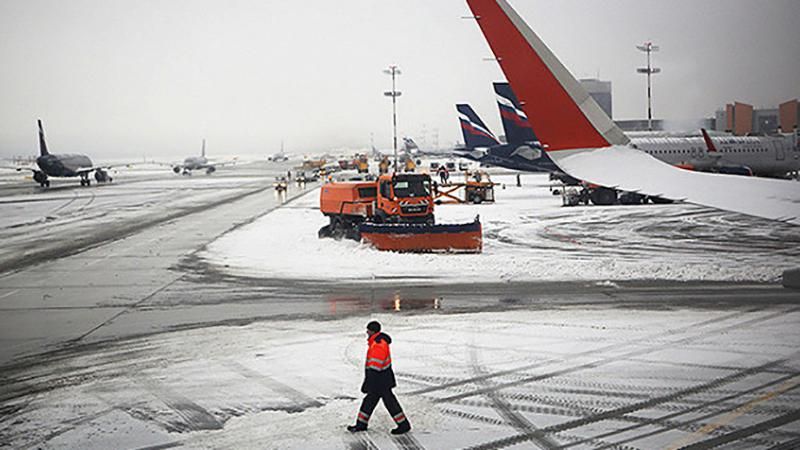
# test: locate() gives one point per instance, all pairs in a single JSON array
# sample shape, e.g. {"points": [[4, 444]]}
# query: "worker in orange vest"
{"points": [[378, 382]]}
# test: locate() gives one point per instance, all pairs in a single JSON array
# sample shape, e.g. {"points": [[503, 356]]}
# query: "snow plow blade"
{"points": [[424, 238]]}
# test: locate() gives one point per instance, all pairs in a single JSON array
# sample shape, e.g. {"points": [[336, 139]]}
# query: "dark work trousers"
{"points": [[389, 401]]}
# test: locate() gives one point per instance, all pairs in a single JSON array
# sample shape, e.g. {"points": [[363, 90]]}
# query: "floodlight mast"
{"points": [[393, 70], [648, 48]]}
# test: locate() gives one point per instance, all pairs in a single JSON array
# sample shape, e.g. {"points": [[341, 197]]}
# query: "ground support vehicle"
{"points": [[478, 188], [280, 184], [394, 212], [584, 193]]}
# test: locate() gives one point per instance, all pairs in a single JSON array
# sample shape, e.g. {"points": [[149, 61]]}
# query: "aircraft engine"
{"points": [[210, 169], [39, 177], [176, 169], [736, 170]]}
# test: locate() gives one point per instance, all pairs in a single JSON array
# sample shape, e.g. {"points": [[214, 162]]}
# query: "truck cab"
{"points": [[404, 198]]}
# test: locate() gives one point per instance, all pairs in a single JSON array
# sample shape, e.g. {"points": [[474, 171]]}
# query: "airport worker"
{"points": [[379, 382], [443, 175]]}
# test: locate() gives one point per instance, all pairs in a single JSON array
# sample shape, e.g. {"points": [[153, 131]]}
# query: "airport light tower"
{"points": [[648, 48], [393, 70]]}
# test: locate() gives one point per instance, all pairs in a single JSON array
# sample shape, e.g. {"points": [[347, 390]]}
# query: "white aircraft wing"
{"points": [[584, 142], [629, 169]]}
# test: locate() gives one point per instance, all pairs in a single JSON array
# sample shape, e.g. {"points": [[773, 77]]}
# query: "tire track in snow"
{"points": [[622, 411], [300, 400], [193, 416], [700, 419], [603, 361], [518, 421], [624, 344]]}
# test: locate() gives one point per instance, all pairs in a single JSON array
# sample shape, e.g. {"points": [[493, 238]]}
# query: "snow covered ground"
{"points": [[528, 236], [583, 378]]}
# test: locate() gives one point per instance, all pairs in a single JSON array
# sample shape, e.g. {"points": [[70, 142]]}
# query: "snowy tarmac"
{"points": [[528, 236], [563, 378], [203, 312]]}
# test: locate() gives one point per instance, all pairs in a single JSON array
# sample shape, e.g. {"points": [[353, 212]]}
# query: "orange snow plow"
{"points": [[424, 238], [395, 213]]}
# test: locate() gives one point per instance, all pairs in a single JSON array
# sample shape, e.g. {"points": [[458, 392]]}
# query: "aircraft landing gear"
{"points": [[102, 176], [41, 178], [85, 181]]}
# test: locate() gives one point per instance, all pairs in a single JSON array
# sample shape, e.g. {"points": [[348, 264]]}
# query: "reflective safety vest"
{"points": [[378, 356]]}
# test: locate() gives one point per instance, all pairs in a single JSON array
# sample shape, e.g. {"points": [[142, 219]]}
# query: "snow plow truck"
{"points": [[394, 212]]}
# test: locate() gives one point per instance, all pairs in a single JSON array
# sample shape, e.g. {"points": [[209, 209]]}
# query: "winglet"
{"points": [[565, 116], [42, 143], [709, 143]]}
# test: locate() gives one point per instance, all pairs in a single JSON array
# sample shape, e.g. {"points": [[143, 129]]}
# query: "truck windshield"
{"points": [[413, 187]]}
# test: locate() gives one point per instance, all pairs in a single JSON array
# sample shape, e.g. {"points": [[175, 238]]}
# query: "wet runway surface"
{"points": [[113, 329]]}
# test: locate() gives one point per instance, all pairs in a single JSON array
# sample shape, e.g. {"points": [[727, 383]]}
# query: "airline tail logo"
{"points": [[515, 121], [410, 145], [42, 143], [475, 132]]}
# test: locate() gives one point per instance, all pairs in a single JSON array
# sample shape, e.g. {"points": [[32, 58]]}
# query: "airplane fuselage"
{"points": [[763, 155], [63, 165], [760, 155], [195, 162]]}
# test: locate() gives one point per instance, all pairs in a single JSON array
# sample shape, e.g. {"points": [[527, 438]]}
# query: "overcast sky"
{"points": [[124, 78]]}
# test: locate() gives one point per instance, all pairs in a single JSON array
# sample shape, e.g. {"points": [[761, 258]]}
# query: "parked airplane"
{"points": [[482, 146], [584, 142], [768, 156], [195, 163], [65, 165]]}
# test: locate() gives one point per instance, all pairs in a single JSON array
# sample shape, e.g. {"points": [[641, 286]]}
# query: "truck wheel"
{"points": [[353, 234], [337, 228], [603, 196], [325, 232], [631, 198]]}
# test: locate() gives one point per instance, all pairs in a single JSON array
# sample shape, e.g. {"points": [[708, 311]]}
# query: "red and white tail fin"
{"points": [[709, 143], [559, 108]]}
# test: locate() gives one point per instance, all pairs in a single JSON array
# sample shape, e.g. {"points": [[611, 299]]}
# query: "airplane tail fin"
{"points": [[42, 143], [203, 149], [709, 143], [475, 132], [565, 116], [515, 122], [409, 145]]}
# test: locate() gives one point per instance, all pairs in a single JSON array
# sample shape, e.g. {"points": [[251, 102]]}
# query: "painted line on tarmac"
{"points": [[745, 432], [622, 411], [608, 360], [735, 414]]}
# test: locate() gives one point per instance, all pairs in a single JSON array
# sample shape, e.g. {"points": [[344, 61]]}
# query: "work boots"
{"points": [[359, 426], [402, 428]]}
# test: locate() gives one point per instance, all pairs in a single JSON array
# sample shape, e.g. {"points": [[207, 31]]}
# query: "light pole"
{"points": [[648, 48], [393, 70]]}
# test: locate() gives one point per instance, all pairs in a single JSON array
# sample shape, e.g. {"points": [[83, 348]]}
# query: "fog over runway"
{"points": [[122, 327]]}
